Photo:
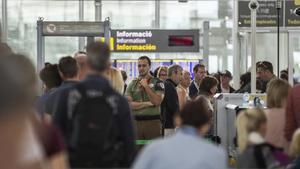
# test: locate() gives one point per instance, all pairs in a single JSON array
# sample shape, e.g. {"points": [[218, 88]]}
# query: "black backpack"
{"points": [[93, 135]]}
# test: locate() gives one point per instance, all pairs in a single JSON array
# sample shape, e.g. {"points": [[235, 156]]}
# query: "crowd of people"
{"points": [[89, 117]]}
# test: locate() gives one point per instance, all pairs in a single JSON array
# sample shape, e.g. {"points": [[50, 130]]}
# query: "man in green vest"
{"points": [[145, 95]]}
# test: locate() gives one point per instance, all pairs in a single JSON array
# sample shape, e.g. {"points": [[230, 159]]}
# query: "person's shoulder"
{"points": [[201, 145], [192, 85], [214, 149], [134, 80], [120, 97], [121, 101], [167, 84], [156, 80], [156, 145], [296, 88]]}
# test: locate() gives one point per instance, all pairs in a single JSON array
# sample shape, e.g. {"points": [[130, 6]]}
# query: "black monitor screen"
{"points": [[181, 40]]}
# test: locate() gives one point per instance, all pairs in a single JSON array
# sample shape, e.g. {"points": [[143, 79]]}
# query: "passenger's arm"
{"points": [[58, 161], [60, 117], [135, 105], [172, 101], [181, 97], [138, 105], [155, 97]]}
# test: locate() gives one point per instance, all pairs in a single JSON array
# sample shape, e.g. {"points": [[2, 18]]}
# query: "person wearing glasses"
{"points": [[145, 95], [162, 73], [264, 72]]}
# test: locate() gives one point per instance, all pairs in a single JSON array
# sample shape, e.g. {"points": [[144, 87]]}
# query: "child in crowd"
{"points": [[255, 152]]}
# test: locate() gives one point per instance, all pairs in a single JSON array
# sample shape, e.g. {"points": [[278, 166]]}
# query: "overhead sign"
{"points": [[291, 19], [266, 14], [155, 40], [73, 28]]}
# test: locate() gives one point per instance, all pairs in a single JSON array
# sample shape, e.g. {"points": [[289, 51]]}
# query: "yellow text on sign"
{"points": [[111, 42]]}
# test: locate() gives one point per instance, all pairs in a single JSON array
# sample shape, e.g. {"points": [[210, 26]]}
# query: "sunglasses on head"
{"points": [[262, 65]]}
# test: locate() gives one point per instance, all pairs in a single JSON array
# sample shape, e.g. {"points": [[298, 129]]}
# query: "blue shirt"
{"points": [[184, 150], [53, 97], [40, 103]]}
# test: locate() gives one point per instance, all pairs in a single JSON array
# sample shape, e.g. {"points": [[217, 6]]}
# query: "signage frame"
{"points": [[158, 38], [283, 28]]}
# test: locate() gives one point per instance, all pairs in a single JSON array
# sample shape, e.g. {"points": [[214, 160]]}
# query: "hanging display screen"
{"points": [[181, 40]]}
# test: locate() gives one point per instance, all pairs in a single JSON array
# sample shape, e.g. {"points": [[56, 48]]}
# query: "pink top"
{"points": [[275, 127]]}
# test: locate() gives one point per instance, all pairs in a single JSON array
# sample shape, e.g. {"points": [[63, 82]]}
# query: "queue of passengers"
{"points": [[88, 117]]}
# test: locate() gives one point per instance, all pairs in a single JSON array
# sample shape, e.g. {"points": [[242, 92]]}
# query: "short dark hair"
{"points": [[245, 78], [198, 66], [50, 76], [145, 58], [98, 56], [68, 67], [207, 83], [196, 113]]}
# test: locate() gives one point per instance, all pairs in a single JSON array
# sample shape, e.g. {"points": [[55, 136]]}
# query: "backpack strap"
{"points": [[259, 156], [80, 91]]}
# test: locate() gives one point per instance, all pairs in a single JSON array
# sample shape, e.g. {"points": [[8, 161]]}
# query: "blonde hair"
{"points": [[248, 121], [115, 78], [161, 69], [277, 93], [294, 149]]}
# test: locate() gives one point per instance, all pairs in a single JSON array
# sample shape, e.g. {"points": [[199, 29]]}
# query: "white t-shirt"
{"points": [[225, 90]]}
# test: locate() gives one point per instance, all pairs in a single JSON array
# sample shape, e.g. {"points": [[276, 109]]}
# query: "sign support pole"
{"points": [[206, 43], [278, 7], [253, 5]]}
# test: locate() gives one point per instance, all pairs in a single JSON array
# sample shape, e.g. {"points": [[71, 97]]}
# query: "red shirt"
{"points": [[52, 142], [292, 112]]}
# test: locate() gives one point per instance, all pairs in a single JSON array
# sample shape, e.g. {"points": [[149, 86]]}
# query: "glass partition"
{"points": [[22, 17]]}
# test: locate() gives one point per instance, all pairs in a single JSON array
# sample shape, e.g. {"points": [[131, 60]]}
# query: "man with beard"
{"points": [[264, 72], [145, 95]]}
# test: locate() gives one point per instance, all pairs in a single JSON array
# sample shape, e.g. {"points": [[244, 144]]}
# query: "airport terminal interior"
{"points": [[149, 84]]}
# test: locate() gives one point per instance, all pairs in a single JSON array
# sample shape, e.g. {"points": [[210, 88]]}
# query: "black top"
{"points": [[170, 104], [123, 116], [193, 90], [52, 100], [231, 89]]}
